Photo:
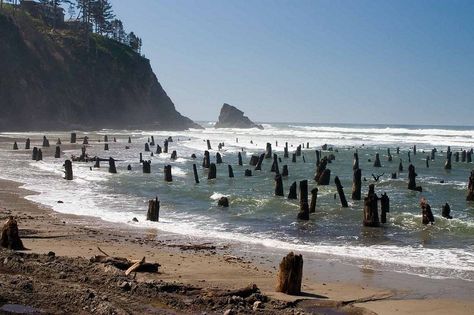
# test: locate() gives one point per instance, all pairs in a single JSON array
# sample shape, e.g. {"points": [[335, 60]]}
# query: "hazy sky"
{"points": [[312, 61]]}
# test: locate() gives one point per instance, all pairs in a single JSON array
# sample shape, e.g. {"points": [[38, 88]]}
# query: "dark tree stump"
{"points": [[260, 161], [278, 185], [293, 158], [45, 142], [304, 160], [400, 166], [427, 215], [389, 155], [218, 158], [285, 151], [147, 147], [153, 213], [97, 162], [158, 149], [377, 161], [394, 175], [463, 156], [275, 168], [447, 164], [209, 148], [248, 173], [223, 202], [141, 157], [290, 274], [112, 168], [239, 157], [469, 156], [129, 140], [73, 137], [10, 237], [398, 150], [456, 157], [323, 175], [268, 151], [196, 176], [68, 170], [298, 150], [27, 144], [167, 172], [446, 212], [409, 157], [206, 160], [356, 184], [411, 179], [433, 154], [284, 172], [39, 155], [371, 214], [470, 187], [231, 171], [174, 155], [57, 153], [340, 192], [414, 150], [253, 160], [325, 178], [152, 143], [304, 207], [212, 171], [115, 140], [106, 147], [318, 158], [106, 138], [15, 146], [314, 199], [292, 194], [427, 161], [355, 163], [385, 207], [129, 167], [165, 146], [146, 166]]}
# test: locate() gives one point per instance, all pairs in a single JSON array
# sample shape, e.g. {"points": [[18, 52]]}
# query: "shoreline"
{"points": [[79, 236]]}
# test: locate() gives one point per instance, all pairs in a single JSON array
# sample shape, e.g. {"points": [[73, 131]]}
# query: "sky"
{"points": [[387, 62]]}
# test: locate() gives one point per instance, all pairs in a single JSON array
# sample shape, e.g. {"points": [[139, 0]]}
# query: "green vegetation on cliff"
{"points": [[51, 79]]}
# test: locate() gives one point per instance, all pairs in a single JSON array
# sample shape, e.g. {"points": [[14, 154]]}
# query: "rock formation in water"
{"points": [[231, 117], [51, 79]]}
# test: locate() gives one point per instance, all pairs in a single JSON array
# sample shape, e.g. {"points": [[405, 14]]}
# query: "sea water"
{"points": [[256, 216]]}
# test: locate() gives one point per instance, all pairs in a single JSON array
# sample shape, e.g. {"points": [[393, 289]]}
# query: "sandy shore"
{"points": [[329, 287]]}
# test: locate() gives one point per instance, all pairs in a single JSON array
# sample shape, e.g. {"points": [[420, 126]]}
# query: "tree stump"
{"points": [[10, 237], [129, 139], [427, 215], [147, 147], [278, 185], [268, 151], [400, 166], [433, 154], [323, 175], [206, 160], [15, 146], [218, 158], [196, 176], [153, 213], [158, 149], [463, 156], [290, 274], [409, 157], [231, 171], [411, 179], [394, 175], [447, 164], [389, 158], [97, 162], [469, 156], [248, 173], [27, 144], [174, 155], [325, 178], [141, 157], [260, 161], [340, 191], [292, 193], [68, 170], [208, 145], [106, 147], [446, 211], [284, 172], [355, 163], [414, 150], [112, 168], [285, 151], [106, 138], [298, 150], [57, 153], [304, 207], [212, 171], [129, 167], [377, 161], [73, 137], [167, 172], [223, 202], [165, 146], [385, 207], [293, 158], [275, 168], [356, 184], [318, 158], [34, 153], [152, 143], [239, 157], [427, 161], [45, 142], [39, 156], [314, 199], [146, 166], [398, 150], [371, 214], [470, 187]]}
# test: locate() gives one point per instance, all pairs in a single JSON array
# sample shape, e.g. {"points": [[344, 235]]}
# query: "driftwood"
{"points": [[427, 161], [323, 175], [290, 274], [158, 149], [427, 215], [208, 144], [125, 264], [389, 158], [153, 213], [34, 154], [293, 158], [253, 160], [39, 156], [45, 142], [400, 166], [285, 150], [165, 146], [377, 177], [463, 156], [275, 168], [10, 237]]}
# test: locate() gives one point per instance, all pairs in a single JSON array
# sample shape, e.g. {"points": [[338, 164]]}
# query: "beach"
{"points": [[222, 262]]}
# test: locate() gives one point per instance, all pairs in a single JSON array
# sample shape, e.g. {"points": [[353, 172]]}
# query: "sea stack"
{"points": [[232, 117]]}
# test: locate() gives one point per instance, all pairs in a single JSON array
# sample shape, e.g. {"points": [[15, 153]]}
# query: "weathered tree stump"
{"points": [[39, 155], [409, 157], [275, 168], [196, 176], [141, 157], [231, 171], [278, 185], [285, 151], [314, 199], [377, 161], [57, 153], [239, 158], [167, 172], [208, 145], [325, 178], [10, 237], [427, 161], [97, 162], [152, 143], [129, 167], [27, 144], [248, 173], [290, 274], [112, 168], [463, 156], [385, 207], [106, 138], [268, 151], [165, 146], [253, 160], [45, 142], [389, 158], [223, 202], [115, 139], [260, 161], [147, 147], [218, 158], [400, 166], [356, 184], [106, 147], [174, 155], [456, 157], [446, 211], [284, 172], [212, 171], [411, 179], [304, 207], [298, 150], [340, 192], [398, 150], [15, 146], [73, 137], [355, 162], [304, 160], [146, 166], [427, 215], [129, 140], [394, 175], [469, 156], [433, 154], [292, 193], [206, 160], [371, 213], [447, 164], [68, 170], [153, 213], [293, 158], [414, 149], [158, 149], [470, 187]]}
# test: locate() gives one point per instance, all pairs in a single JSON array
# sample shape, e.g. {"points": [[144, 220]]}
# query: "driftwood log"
{"points": [[10, 237], [174, 155], [125, 264], [290, 274]]}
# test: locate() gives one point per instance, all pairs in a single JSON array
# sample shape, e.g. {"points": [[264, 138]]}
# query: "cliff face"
{"points": [[51, 80], [231, 117]]}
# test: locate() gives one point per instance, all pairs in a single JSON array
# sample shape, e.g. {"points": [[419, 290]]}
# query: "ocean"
{"points": [[256, 217]]}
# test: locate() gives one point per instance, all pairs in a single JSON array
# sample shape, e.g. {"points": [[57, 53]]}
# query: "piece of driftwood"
{"points": [[284, 172], [126, 264], [10, 237], [290, 274], [208, 144], [340, 191]]}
